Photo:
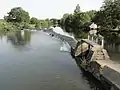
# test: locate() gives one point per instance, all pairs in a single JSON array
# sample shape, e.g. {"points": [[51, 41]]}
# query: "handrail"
{"points": [[99, 39]]}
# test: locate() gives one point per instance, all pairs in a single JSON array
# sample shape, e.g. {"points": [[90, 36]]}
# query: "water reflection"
{"points": [[20, 37]]}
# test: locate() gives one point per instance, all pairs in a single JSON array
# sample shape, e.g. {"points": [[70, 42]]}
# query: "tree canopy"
{"points": [[17, 14], [77, 9], [108, 19], [75, 22], [34, 20]]}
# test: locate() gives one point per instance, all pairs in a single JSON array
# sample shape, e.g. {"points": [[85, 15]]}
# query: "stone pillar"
{"points": [[88, 36], [103, 42], [92, 38]]}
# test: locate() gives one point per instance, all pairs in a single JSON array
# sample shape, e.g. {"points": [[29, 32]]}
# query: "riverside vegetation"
{"points": [[18, 19], [107, 19]]}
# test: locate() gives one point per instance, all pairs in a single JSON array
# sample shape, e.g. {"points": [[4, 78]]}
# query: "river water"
{"points": [[32, 60]]}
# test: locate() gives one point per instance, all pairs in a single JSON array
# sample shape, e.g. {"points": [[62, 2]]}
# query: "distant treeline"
{"points": [[18, 19]]}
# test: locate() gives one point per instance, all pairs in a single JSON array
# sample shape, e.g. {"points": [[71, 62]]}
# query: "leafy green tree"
{"points": [[6, 26], [44, 24], [77, 9], [54, 21], [76, 22], [17, 14], [109, 15], [37, 25], [47, 22], [34, 20], [18, 17], [68, 23], [62, 21], [91, 14], [108, 19]]}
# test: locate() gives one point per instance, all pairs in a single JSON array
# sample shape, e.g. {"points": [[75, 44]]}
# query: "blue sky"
{"points": [[48, 8]]}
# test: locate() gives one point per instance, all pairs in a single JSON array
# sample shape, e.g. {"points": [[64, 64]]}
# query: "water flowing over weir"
{"points": [[65, 47], [60, 31]]}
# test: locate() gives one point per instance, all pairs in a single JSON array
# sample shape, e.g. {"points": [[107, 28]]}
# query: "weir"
{"points": [[93, 58]]}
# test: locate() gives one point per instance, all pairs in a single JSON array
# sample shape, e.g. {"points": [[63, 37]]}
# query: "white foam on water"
{"points": [[60, 31], [65, 47]]}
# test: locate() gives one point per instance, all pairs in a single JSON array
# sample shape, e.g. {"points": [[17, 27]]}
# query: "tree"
{"points": [[44, 24], [77, 9], [47, 22], [17, 14], [62, 21], [54, 21], [68, 23], [91, 13], [76, 22], [37, 25], [34, 20], [108, 19]]}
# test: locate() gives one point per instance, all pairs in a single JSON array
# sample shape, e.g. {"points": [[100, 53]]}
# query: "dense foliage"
{"points": [[77, 22], [6, 26], [34, 20], [18, 19], [17, 14], [108, 19]]}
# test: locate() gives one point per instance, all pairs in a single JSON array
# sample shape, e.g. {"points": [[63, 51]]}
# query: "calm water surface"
{"points": [[33, 61]]}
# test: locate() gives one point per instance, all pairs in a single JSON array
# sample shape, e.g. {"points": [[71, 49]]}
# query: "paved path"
{"points": [[111, 71]]}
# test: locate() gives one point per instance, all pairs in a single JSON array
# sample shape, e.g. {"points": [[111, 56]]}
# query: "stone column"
{"points": [[92, 38], [102, 42], [97, 40]]}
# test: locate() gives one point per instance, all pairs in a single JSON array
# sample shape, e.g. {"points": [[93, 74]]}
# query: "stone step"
{"points": [[100, 58]]}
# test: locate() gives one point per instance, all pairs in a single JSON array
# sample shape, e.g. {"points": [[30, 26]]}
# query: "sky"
{"points": [[48, 8]]}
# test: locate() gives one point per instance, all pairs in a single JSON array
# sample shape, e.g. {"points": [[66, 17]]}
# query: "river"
{"points": [[32, 60]]}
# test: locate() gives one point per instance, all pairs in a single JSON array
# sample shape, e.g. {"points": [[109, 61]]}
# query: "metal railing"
{"points": [[97, 39]]}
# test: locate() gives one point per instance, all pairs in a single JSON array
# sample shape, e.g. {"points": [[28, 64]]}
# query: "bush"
{"points": [[37, 26], [5, 26]]}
